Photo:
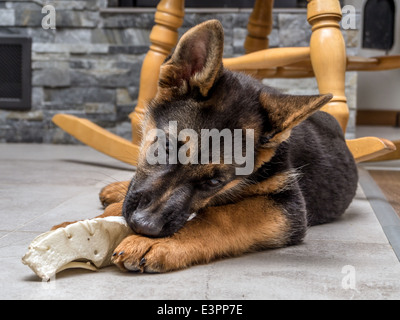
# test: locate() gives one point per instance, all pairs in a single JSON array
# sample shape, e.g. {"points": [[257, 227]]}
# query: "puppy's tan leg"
{"points": [[252, 224], [114, 192], [114, 209]]}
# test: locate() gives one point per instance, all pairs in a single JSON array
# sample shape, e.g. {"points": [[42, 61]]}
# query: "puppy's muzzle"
{"points": [[147, 214], [139, 217]]}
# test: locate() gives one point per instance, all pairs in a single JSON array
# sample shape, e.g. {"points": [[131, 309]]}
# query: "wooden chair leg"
{"points": [[328, 55], [395, 155], [370, 148], [260, 26], [163, 37], [98, 138]]}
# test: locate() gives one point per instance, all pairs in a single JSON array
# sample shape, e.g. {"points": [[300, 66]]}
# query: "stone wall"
{"points": [[90, 65]]}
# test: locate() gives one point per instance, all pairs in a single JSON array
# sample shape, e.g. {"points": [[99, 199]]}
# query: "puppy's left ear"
{"points": [[196, 61], [287, 111]]}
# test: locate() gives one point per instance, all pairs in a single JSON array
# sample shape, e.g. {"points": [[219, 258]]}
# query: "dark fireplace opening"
{"points": [[379, 24], [15, 73]]}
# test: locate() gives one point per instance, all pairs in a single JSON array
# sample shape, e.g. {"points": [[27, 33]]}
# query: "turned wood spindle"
{"points": [[163, 38], [328, 55], [260, 26]]}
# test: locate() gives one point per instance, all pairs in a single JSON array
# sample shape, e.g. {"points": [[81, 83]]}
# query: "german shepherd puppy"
{"points": [[303, 172]]}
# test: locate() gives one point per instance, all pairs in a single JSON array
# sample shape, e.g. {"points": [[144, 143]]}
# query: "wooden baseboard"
{"points": [[378, 118]]}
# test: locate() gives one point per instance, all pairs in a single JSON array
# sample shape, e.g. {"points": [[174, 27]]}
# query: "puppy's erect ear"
{"points": [[287, 111], [196, 61]]}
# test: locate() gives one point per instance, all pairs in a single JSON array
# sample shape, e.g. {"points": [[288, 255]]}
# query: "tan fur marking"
{"points": [[271, 185], [287, 111], [279, 138], [114, 192], [165, 196], [113, 210], [229, 186], [263, 156]]}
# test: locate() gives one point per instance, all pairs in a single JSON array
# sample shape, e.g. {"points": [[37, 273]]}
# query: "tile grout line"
{"points": [[386, 215]]}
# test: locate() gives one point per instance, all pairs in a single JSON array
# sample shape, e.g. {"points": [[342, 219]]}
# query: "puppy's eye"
{"points": [[214, 183], [210, 184]]}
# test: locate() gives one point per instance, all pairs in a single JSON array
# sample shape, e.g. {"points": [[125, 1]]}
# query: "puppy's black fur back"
{"points": [[327, 173]]}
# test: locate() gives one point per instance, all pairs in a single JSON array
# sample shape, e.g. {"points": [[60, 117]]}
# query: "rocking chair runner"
{"points": [[325, 59]]}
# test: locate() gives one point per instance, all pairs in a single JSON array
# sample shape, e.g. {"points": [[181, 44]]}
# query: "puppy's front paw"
{"points": [[141, 254], [62, 225], [113, 193]]}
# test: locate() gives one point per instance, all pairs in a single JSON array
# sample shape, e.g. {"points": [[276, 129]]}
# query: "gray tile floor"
{"points": [[43, 185]]}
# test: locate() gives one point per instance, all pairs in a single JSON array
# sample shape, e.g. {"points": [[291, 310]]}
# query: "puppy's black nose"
{"points": [[143, 223]]}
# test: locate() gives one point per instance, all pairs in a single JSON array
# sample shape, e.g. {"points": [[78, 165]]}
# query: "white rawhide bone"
{"points": [[86, 244]]}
